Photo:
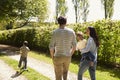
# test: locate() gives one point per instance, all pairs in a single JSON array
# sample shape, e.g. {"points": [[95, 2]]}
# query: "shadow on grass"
{"points": [[18, 73], [114, 72]]}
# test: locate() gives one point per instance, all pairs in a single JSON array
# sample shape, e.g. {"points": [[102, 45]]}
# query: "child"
{"points": [[82, 44], [23, 58], [81, 41]]}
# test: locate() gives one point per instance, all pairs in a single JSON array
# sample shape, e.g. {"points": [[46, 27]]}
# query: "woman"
{"points": [[92, 45]]}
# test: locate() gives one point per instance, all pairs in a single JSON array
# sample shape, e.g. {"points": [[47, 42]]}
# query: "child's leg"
{"points": [[25, 63], [20, 62]]}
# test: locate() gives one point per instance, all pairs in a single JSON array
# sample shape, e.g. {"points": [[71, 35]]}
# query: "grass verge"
{"points": [[102, 73], [30, 75]]}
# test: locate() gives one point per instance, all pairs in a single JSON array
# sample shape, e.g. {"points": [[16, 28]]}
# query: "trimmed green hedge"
{"points": [[39, 37], [109, 36]]}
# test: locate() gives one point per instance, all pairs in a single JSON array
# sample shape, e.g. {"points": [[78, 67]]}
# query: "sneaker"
{"points": [[18, 67], [25, 69]]}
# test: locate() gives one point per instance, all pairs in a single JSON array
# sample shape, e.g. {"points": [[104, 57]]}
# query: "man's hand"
{"points": [[73, 50], [52, 53]]}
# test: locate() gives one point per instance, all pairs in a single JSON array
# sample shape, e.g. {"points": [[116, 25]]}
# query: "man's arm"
{"points": [[73, 50], [52, 53], [74, 43], [52, 45]]}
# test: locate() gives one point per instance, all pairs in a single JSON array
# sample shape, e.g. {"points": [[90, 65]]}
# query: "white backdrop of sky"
{"points": [[96, 11]]}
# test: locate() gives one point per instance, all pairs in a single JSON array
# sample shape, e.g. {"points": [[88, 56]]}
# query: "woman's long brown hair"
{"points": [[93, 34]]}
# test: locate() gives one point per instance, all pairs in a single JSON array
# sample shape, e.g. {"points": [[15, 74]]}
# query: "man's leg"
{"points": [[84, 65], [66, 63], [58, 67], [92, 70]]}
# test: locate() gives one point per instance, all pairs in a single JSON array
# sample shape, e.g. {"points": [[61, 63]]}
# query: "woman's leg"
{"points": [[84, 65], [92, 70]]}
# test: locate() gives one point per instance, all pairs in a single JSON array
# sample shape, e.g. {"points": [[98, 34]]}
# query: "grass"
{"points": [[102, 73], [30, 75]]}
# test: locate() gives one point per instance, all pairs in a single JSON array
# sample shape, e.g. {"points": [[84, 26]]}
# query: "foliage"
{"points": [[108, 8], [77, 9], [84, 9], [39, 37], [108, 32], [81, 9], [16, 10], [61, 8]]}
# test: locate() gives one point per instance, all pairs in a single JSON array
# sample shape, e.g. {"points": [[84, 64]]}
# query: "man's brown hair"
{"points": [[62, 20]]}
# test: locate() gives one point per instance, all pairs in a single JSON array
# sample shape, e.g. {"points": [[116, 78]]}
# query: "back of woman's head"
{"points": [[93, 34]]}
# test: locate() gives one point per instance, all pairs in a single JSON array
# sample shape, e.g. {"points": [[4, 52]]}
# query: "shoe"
{"points": [[25, 69], [18, 67]]}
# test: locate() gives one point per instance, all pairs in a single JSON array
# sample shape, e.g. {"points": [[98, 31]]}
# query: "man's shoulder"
{"points": [[55, 30], [69, 29]]}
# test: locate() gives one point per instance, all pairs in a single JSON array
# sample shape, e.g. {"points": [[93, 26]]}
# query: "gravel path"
{"points": [[44, 68], [6, 72], [41, 67]]}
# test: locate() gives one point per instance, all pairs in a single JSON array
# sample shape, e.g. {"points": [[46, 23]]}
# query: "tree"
{"points": [[13, 10], [77, 9], [108, 8], [61, 8], [84, 9]]}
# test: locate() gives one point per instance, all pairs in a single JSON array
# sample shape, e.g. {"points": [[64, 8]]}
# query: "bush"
{"points": [[108, 33], [39, 37]]}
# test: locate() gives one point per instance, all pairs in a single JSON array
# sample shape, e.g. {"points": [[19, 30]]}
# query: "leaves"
{"points": [[61, 8], [108, 7], [23, 9]]}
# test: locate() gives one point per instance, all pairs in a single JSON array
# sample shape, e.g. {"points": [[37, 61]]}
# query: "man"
{"points": [[62, 47]]}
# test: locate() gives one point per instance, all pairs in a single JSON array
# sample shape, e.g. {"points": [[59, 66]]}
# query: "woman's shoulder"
{"points": [[90, 38]]}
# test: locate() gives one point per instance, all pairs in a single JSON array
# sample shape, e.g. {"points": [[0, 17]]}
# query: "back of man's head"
{"points": [[62, 20]]}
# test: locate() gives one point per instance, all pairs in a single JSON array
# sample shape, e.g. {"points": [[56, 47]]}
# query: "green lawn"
{"points": [[102, 73], [30, 75]]}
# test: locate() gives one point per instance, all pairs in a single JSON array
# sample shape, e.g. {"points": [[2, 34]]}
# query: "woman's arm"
{"points": [[88, 46]]}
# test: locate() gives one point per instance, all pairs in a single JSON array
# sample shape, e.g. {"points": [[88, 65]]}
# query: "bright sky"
{"points": [[96, 11]]}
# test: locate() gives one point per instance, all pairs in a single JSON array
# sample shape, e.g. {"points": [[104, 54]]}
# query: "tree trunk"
{"points": [[105, 4]]}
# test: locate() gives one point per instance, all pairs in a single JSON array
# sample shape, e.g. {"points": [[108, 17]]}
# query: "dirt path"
{"points": [[44, 68], [41, 67], [6, 72]]}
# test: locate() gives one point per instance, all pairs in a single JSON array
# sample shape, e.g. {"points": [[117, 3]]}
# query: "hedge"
{"points": [[39, 38]]}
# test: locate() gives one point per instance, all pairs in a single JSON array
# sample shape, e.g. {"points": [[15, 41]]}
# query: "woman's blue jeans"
{"points": [[84, 65]]}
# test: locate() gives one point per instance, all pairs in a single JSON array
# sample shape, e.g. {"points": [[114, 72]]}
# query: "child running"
{"points": [[23, 58]]}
